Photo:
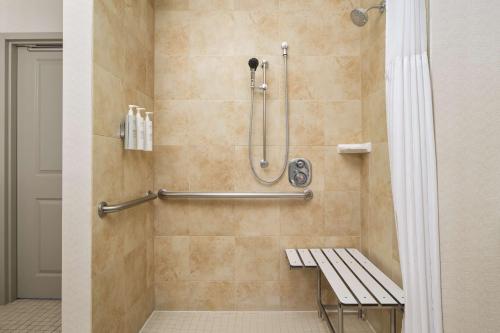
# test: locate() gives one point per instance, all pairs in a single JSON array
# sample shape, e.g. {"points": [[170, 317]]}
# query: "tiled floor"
{"points": [[245, 322], [26, 315]]}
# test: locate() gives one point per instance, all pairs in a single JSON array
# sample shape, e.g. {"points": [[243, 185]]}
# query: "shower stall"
{"points": [[236, 143]]}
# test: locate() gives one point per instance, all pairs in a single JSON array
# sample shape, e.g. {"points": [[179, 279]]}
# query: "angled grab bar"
{"points": [[165, 194], [104, 208]]}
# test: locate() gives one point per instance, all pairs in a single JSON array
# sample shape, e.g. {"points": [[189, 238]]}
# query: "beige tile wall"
{"points": [[122, 243], [227, 255], [378, 232]]}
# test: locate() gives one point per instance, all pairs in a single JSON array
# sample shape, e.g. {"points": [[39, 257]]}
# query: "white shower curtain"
{"points": [[413, 163]]}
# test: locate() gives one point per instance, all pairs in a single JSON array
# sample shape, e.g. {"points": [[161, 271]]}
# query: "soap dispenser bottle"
{"points": [[148, 132], [140, 128], [130, 128]]}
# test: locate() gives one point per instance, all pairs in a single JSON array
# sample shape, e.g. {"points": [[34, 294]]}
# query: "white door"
{"points": [[39, 173]]}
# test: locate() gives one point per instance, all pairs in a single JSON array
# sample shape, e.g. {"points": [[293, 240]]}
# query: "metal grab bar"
{"points": [[104, 208], [306, 195]]}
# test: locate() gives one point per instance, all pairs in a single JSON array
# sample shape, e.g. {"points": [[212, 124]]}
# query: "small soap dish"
{"points": [[354, 148]]}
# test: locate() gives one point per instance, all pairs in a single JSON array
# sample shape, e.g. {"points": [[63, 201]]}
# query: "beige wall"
{"points": [[122, 243], [31, 16], [229, 255], [465, 66], [378, 230]]}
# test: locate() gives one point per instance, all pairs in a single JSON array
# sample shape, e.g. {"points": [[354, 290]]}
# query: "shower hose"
{"points": [[287, 132]]}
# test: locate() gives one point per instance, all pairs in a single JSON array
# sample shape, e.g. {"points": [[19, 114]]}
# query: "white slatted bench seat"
{"points": [[356, 282]]}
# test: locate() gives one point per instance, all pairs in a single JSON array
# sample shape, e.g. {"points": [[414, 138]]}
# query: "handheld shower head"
{"points": [[253, 63]]}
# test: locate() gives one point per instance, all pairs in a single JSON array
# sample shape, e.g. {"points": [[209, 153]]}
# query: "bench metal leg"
{"points": [[341, 319], [318, 297], [393, 320], [321, 309]]}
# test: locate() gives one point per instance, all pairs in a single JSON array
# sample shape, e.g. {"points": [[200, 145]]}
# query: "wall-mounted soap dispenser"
{"points": [[127, 133], [136, 131], [148, 132], [140, 128]]}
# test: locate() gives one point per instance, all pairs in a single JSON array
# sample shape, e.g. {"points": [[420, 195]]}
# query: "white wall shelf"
{"points": [[354, 148]]}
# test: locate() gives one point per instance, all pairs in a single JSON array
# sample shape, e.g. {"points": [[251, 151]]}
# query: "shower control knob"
{"points": [[299, 172], [300, 178]]}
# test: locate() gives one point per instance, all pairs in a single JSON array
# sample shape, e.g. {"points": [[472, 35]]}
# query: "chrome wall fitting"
{"points": [[359, 16], [264, 66], [306, 195], [264, 163], [253, 63], [104, 208], [122, 130], [299, 172], [284, 47]]}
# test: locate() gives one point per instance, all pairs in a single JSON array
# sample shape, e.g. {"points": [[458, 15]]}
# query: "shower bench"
{"points": [[356, 282]]}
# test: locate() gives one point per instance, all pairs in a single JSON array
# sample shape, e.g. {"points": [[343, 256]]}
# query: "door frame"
{"points": [[8, 161]]}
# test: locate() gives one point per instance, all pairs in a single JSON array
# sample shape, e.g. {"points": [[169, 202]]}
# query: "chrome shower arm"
{"points": [[380, 7]]}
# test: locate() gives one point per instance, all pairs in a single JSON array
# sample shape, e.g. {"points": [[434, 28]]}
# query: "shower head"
{"points": [[359, 16], [253, 63]]}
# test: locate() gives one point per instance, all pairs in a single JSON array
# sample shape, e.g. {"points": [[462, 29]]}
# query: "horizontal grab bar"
{"points": [[306, 195], [104, 208]]}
